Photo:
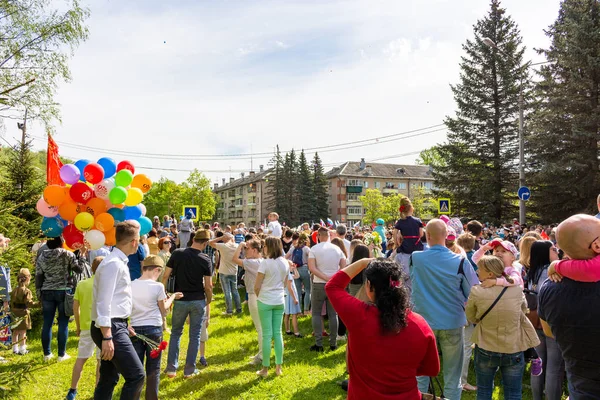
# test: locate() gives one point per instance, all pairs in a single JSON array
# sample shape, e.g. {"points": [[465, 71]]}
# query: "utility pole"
{"points": [[23, 128]]}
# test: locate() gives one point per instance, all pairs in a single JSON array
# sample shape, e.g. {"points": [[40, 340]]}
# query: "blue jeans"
{"points": [[553, 373], [181, 310], [152, 364], [511, 367], [450, 342], [303, 280], [53, 300], [229, 284]]}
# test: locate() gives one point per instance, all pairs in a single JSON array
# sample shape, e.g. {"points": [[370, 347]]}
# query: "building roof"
{"points": [[246, 180], [379, 170]]}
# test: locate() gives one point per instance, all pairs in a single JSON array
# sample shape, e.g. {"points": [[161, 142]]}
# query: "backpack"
{"points": [[297, 256]]}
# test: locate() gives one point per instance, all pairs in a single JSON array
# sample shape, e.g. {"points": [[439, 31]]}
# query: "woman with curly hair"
{"points": [[389, 345]]}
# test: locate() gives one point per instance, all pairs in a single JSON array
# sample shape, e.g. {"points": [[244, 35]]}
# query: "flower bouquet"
{"points": [[155, 348], [374, 239]]}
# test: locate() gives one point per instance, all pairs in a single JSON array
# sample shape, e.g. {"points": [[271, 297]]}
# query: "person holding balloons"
{"points": [[56, 275]]}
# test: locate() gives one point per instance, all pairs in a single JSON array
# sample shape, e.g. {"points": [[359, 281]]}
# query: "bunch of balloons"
{"points": [[94, 198]]}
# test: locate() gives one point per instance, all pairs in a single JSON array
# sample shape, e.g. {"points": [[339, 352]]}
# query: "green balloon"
{"points": [[117, 195], [124, 178]]}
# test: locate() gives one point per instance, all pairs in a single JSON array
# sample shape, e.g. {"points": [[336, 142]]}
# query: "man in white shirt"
{"points": [[341, 231], [228, 271], [324, 260], [111, 308], [274, 227]]}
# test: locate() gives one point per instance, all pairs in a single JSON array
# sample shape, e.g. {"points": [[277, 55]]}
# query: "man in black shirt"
{"points": [[570, 310], [192, 270]]}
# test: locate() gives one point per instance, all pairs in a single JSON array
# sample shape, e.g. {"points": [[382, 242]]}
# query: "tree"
{"points": [[37, 42], [305, 191], [431, 157], [565, 133], [196, 190], [164, 198], [321, 195], [423, 203], [373, 204], [481, 151], [391, 206], [289, 209], [277, 189]]}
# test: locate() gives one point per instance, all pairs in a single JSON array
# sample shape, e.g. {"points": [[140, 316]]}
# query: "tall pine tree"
{"points": [[321, 193], [305, 190], [290, 197], [482, 148], [276, 190], [565, 126]]}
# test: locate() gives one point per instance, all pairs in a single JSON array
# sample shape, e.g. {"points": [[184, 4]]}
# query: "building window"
{"points": [[354, 210], [354, 182], [428, 185], [377, 185], [352, 197], [389, 185], [402, 185], [366, 185]]}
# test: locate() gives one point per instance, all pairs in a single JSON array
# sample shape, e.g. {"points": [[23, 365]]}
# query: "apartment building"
{"points": [[351, 179], [243, 199]]}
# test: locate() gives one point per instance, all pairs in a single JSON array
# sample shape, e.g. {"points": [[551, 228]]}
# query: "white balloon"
{"points": [[143, 207], [103, 188], [94, 239]]}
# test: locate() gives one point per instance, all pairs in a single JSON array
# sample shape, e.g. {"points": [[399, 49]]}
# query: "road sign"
{"points": [[443, 206], [524, 193], [192, 210]]}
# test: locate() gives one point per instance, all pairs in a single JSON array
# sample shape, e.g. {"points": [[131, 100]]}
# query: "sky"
{"points": [[181, 85]]}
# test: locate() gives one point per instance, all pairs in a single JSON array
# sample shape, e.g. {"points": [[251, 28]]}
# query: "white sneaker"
{"points": [[63, 358], [341, 338], [256, 360], [23, 350], [48, 357]]}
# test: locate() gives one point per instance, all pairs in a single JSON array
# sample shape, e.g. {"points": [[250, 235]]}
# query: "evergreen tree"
{"points": [[480, 173], [321, 192], [290, 196], [276, 189], [565, 126], [305, 191]]}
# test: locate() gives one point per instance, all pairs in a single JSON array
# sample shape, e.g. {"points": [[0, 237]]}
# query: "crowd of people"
{"points": [[404, 296]]}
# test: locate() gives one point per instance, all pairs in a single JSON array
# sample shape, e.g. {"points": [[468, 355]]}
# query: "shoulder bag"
{"points": [[493, 304], [170, 287]]}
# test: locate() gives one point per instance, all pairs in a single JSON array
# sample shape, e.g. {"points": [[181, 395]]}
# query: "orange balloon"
{"points": [[110, 236], [54, 195], [68, 210], [105, 222], [141, 182], [95, 206]]}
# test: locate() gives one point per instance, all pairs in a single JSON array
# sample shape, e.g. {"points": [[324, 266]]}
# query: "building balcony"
{"points": [[353, 202], [354, 189], [251, 205], [239, 205], [389, 190]]}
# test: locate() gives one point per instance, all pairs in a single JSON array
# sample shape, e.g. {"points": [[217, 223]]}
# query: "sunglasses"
{"points": [[166, 242]]}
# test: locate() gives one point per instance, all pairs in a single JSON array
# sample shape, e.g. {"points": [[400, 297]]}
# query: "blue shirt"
{"points": [[572, 309], [439, 289], [135, 263]]}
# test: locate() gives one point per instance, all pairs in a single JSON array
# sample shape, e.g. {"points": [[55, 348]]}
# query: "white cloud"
{"points": [[211, 78]]}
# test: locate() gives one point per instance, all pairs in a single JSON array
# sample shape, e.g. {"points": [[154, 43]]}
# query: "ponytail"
{"points": [[391, 297], [405, 207], [508, 278]]}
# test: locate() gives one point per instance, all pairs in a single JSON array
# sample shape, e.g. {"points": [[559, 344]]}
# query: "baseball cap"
{"points": [[153, 260], [202, 234], [451, 235], [508, 246]]}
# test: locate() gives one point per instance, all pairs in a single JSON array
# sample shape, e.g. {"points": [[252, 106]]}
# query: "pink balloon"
{"points": [[45, 209]]}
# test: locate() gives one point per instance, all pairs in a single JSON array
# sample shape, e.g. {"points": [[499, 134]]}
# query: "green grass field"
{"points": [[228, 375]]}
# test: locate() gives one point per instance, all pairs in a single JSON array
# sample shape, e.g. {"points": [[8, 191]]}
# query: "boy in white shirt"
{"points": [[150, 305], [274, 227]]}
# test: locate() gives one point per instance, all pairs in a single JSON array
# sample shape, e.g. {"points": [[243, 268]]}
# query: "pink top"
{"points": [[580, 270], [510, 271]]}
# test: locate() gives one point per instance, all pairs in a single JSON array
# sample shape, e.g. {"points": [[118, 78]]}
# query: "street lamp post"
{"points": [[489, 42]]}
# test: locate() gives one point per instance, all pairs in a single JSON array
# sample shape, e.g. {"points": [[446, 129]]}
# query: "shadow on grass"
{"points": [[323, 390]]}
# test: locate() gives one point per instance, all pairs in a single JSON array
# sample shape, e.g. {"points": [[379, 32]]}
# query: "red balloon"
{"points": [[126, 165], [73, 237], [81, 193], [93, 173]]}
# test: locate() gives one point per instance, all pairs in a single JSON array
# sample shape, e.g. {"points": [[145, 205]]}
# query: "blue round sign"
{"points": [[524, 193]]}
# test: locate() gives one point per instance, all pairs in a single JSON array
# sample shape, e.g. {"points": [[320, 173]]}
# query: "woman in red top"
{"points": [[389, 345]]}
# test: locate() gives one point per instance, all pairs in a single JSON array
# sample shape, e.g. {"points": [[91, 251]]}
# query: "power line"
{"points": [[323, 149]]}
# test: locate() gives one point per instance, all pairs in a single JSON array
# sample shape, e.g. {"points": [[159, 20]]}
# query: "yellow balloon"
{"points": [[84, 221], [134, 197]]}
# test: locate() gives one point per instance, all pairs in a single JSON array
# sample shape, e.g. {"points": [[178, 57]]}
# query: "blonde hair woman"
{"points": [[502, 332], [525, 250]]}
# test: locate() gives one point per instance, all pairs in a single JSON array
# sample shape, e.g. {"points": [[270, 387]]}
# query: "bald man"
{"points": [[441, 283], [598, 204], [570, 310]]}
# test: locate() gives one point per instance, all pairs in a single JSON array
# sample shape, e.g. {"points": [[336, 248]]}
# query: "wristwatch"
{"points": [[106, 339]]}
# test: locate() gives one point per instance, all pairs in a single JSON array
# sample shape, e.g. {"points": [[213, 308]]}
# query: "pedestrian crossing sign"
{"points": [[192, 210], [443, 206]]}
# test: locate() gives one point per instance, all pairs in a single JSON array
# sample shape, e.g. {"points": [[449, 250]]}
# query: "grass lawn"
{"points": [[228, 375]]}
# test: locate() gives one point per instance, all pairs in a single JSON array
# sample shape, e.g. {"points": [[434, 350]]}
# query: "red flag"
{"points": [[544, 235], [53, 164]]}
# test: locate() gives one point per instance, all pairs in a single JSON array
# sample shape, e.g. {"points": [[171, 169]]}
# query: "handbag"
{"points": [[493, 304], [431, 394], [170, 287]]}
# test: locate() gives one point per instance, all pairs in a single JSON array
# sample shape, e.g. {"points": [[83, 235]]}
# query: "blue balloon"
{"points": [[81, 164], [145, 225], [117, 214], [52, 227], [109, 165], [134, 212]]}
